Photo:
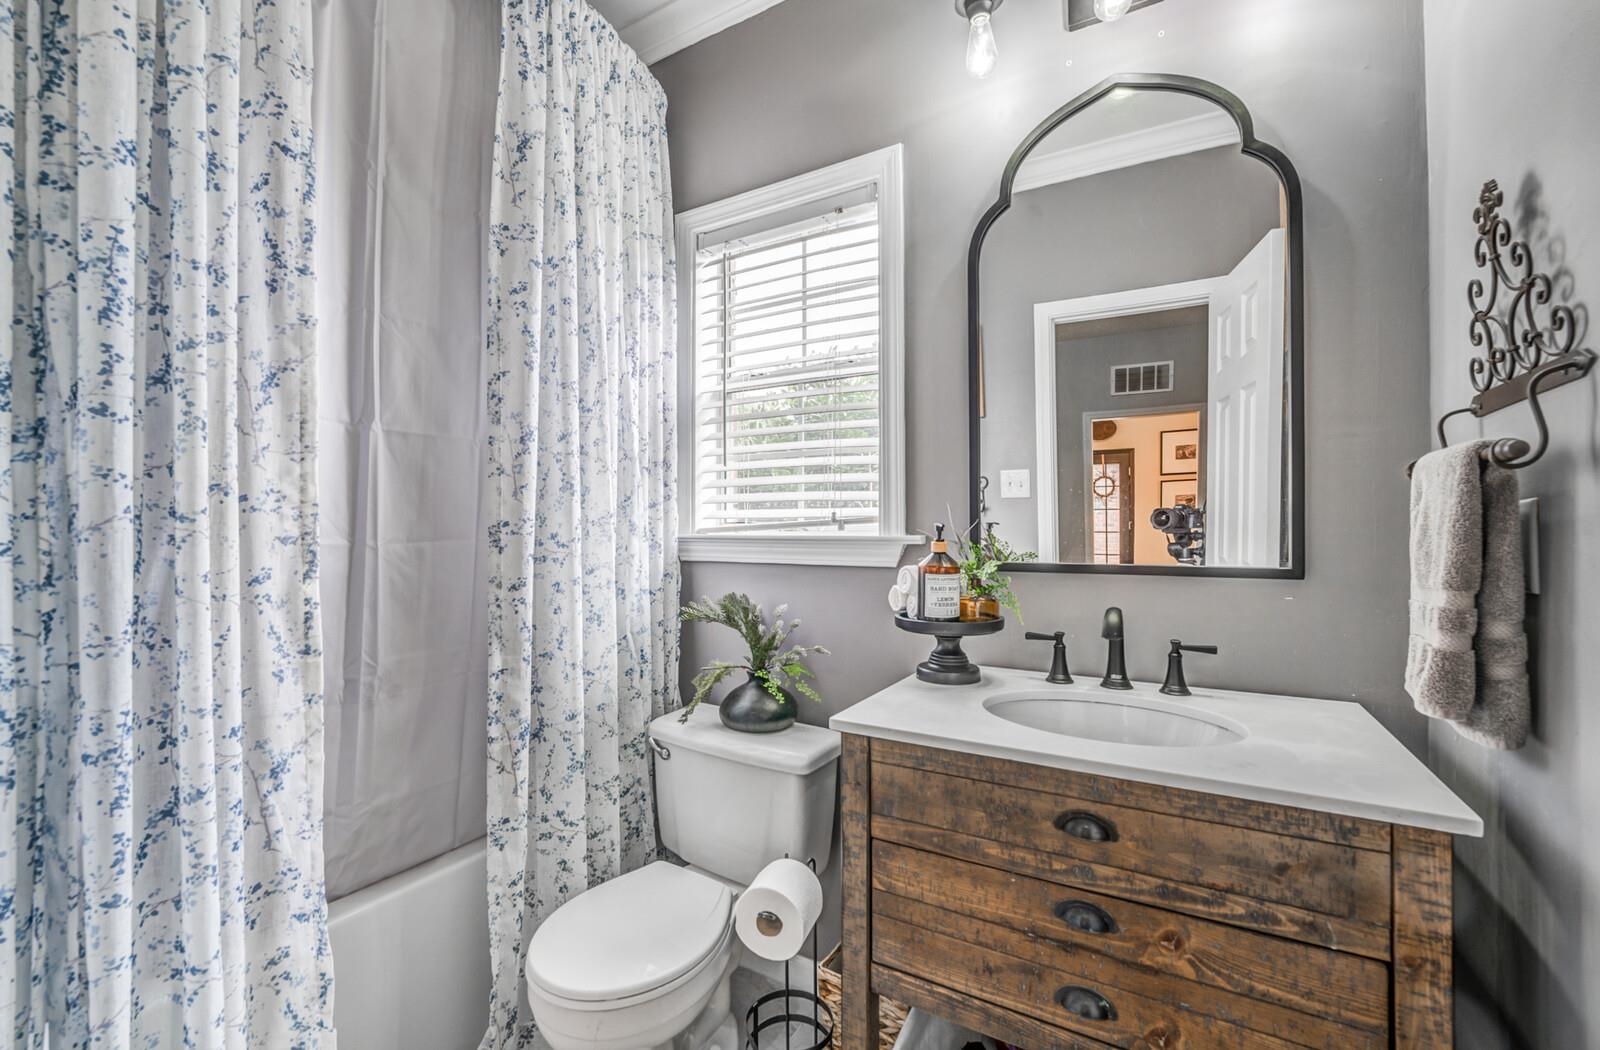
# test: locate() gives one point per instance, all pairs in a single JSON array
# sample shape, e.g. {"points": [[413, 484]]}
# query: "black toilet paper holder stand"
{"points": [[819, 1020]]}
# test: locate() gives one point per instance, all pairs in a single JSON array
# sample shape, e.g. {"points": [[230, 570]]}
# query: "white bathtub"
{"points": [[411, 958]]}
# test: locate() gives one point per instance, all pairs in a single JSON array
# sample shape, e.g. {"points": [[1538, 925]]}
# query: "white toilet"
{"points": [[645, 959]]}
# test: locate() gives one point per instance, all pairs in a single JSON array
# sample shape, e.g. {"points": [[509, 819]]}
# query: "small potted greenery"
{"points": [[764, 702], [984, 588]]}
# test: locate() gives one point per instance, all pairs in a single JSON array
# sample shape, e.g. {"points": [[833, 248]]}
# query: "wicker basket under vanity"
{"points": [[891, 1015]]}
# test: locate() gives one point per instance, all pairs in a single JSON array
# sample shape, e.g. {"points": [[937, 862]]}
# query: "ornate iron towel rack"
{"points": [[1523, 357]]}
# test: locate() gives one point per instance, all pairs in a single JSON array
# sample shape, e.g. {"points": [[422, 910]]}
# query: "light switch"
{"points": [[1014, 484]]}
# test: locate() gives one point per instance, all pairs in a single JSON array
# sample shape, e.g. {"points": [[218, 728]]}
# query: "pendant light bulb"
{"points": [[1111, 10], [982, 53]]}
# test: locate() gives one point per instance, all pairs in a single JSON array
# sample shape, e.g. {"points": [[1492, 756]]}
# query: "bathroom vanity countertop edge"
{"points": [[1329, 756]]}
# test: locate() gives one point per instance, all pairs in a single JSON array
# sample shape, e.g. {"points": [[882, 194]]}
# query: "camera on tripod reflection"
{"points": [[1185, 527]]}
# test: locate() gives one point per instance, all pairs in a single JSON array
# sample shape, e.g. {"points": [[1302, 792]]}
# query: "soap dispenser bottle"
{"points": [[939, 582]]}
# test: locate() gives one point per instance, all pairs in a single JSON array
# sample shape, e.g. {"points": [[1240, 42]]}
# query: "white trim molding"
{"points": [[859, 550], [1046, 317], [1173, 139], [677, 24], [885, 169]]}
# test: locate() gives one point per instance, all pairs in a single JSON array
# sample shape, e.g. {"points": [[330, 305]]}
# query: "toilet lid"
{"points": [[630, 935]]}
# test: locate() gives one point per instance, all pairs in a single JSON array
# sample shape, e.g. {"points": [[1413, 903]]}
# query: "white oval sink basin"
{"points": [[1115, 722]]}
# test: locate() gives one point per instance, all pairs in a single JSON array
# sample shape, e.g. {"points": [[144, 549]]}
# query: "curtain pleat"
{"points": [[583, 586]]}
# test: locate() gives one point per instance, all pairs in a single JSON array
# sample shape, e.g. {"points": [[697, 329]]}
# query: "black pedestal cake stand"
{"points": [[947, 664]]}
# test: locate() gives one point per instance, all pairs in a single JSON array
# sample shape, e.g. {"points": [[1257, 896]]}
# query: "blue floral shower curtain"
{"points": [[160, 677], [583, 587]]}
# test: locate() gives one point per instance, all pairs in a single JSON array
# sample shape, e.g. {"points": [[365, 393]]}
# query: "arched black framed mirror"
{"points": [[1136, 340]]}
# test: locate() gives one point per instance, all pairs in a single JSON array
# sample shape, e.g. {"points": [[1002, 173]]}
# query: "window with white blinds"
{"points": [[787, 368], [794, 415]]}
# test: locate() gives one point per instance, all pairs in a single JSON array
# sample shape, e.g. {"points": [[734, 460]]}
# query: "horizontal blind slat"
{"points": [[745, 282], [796, 451], [838, 238], [839, 294], [861, 334]]}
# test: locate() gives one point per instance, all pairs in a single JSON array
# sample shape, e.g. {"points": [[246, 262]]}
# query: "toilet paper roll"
{"points": [[774, 916]]}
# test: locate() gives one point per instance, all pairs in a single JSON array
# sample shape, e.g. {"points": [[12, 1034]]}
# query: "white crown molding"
{"points": [[677, 24], [1189, 135]]}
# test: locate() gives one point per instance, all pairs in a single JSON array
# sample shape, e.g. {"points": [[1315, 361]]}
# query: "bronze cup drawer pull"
{"points": [[1087, 826], [1086, 1003], [1085, 917]]}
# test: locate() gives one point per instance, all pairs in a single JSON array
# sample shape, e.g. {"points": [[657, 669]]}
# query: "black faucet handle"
{"points": [[1176, 685], [1058, 659]]}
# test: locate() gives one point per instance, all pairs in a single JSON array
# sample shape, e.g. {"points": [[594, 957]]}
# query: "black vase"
{"points": [[750, 708]]}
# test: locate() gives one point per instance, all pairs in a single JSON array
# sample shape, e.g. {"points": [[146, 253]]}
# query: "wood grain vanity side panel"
{"points": [[1334, 880], [1195, 805], [859, 1025], [1345, 988], [1422, 993]]}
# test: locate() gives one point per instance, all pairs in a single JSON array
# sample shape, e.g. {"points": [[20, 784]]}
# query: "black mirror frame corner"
{"points": [[1290, 178]]}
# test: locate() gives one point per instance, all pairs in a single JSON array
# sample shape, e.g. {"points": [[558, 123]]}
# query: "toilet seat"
{"points": [[632, 939]]}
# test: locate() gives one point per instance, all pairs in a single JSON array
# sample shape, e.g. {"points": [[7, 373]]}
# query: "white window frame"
{"points": [[883, 168]]}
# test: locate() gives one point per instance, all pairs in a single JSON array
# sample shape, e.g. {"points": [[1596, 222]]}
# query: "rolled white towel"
{"points": [[903, 595]]}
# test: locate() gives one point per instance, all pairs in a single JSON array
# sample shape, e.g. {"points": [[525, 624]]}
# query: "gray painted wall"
{"points": [[1083, 385], [1528, 894], [1177, 219], [1337, 85]]}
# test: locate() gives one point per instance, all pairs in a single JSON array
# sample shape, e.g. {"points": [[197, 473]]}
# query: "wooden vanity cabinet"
{"points": [[1055, 909]]}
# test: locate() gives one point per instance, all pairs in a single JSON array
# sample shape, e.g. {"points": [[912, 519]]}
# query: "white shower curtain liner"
{"points": [[405, 95]]}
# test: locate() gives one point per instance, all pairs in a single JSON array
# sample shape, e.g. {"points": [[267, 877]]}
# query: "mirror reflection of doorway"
{"points": [[1112, 492], [1143, 440]]}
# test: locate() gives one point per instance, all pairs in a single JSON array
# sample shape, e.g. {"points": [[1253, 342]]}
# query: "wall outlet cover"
{"points": [[1015, 484]]}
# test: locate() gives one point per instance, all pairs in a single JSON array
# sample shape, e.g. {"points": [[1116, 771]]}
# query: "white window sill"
{"points": [[853, 549]]}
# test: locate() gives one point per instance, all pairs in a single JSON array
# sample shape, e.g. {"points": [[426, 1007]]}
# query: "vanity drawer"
{"points": [[1310, 889], [1085, 992], [1067, 920]]}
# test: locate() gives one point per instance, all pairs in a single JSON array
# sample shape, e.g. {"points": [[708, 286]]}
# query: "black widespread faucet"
{"points": [[1116, 666]]}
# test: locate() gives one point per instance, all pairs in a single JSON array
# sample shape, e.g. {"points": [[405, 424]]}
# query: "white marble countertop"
{"points": [[1326, 755]]}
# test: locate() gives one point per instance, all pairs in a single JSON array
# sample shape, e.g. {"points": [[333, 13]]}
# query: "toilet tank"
{"points": [[730, 803]]}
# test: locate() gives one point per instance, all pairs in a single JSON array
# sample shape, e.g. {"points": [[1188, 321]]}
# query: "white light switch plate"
{"points": [[1015, 484]]}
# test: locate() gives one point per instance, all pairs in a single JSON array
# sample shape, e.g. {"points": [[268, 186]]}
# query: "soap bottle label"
{"points": [[941, 597]]}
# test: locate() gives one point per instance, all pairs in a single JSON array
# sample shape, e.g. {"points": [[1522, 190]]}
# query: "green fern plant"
{"points": [[773, 662], [981, 562]]}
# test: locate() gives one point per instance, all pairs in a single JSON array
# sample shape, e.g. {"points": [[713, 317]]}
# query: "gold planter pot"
{"points": [[976, 607]]}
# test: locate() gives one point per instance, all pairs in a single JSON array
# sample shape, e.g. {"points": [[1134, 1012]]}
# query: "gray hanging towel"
{"points": [[1467, 657]]}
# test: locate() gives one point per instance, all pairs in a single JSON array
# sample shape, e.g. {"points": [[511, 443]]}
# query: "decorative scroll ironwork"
{"points": [[1523, 357], [1522, 333]]}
